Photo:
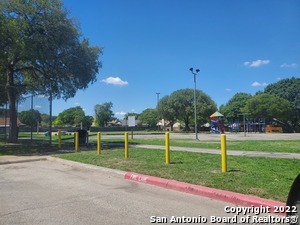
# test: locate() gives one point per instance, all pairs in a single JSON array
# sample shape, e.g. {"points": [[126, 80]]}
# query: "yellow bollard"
{"points": [[126, 145], [59, 138], [98, 143], [223, 153], [76, 141], [167, 144]]}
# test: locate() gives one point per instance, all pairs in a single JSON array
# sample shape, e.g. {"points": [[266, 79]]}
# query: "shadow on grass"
{"points": [[178, 162], [26, 148], [234, 170]]}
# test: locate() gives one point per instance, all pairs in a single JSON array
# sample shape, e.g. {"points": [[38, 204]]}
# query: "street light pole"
{"points": [[157, 98], [157, 107], [195, 107]]}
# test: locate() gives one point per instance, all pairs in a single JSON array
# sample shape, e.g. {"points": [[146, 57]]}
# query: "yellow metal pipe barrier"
{"points": [[223, 153], [59, 138], [76, 141], [126, 145], [98, 143], [167, 143]]}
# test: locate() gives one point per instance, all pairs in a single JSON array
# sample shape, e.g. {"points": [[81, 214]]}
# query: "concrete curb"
{"points": [[22, 159], [227, 196]]}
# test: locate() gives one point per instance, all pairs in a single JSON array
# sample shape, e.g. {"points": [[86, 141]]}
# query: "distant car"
{"points": [[63, 132]]}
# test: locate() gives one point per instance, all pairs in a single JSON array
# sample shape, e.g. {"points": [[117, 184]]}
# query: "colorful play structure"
{"points": [[216, 123], [246, 124], [250, 125]]}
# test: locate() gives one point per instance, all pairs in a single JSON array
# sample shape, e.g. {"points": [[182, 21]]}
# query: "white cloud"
{"points": [[117, 81], [120, 115], [77, 103], [257, 63], [292, 65], [227, 89], [37, 106], [257, 84]]}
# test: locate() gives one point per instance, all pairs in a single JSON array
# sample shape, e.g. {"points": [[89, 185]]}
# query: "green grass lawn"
{"points": [[291, 146], [263, 177]]}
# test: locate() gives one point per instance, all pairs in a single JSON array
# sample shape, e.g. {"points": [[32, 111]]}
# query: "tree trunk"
{"points": [[187, 125], [12, 96]]}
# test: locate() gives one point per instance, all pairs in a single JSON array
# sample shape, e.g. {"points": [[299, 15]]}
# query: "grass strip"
{"points": [[263, 177], [288, 146]]}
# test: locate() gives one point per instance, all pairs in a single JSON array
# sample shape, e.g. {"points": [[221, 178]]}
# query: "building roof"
{"points": [[5, 121], [216, 114]]}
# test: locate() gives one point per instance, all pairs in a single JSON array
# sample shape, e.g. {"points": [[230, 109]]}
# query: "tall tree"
{"points": [[180, 106], [30, 117], [288, 89], [269, 107], [72, 116], [46, 120], [149, 117], [165, 109], [42, 50], [88, 121], [234, 106], [103, 113]]}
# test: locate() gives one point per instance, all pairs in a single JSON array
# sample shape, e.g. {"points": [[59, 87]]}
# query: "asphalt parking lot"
{"points": [[59, 192]]}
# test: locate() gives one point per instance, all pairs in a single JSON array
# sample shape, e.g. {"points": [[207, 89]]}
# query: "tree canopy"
{"points": [[180, 106], [234, 106], [103, 113], [149, 117], [269, 107], [288, 89], [30, 117], [43, 52], [74, 116]]}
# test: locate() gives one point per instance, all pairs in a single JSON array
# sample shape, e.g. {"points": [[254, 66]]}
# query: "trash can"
{"points": [[82, 137]]}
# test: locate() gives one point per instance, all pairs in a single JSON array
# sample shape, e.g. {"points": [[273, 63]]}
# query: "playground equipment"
{"points": [[249, 125], [216, 123]]}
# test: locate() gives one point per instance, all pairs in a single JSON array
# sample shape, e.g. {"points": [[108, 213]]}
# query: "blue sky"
{"points": [[149, 46]]}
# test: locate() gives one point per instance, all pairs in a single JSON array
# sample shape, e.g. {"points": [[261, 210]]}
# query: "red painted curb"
{"points": [[227, 196]]}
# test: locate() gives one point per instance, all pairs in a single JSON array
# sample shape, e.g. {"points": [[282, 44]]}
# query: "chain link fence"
{"points": [[33, 119]]}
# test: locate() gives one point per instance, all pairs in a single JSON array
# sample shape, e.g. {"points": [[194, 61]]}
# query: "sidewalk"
{"points": [[282, 155]]}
